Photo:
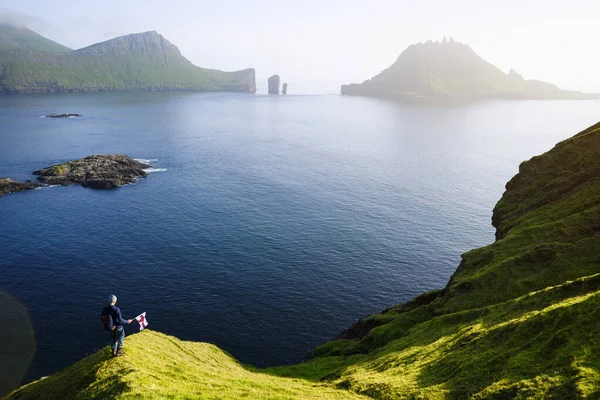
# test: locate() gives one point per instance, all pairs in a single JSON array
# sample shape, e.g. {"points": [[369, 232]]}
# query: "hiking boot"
{"points": [[114, 352], [120, 352]]}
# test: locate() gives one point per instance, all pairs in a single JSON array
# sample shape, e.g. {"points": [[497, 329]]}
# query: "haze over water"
{"points": [[277, 223]]}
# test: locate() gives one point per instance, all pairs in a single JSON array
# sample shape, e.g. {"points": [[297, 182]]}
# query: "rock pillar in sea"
{"points": [[274, 84], [284, 89]]}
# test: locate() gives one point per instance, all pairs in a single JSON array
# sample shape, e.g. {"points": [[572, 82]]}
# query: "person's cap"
{"points": [[112, 299]]}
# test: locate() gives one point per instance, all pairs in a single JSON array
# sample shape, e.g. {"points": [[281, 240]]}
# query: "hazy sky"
{"points": [[322, 44]]}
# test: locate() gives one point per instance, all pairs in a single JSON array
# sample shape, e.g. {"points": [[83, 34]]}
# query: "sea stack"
{"points": [[274, 84], [284, 89]]}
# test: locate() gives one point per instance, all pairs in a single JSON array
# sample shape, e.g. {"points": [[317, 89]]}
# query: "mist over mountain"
{"points": [[20, 37]]}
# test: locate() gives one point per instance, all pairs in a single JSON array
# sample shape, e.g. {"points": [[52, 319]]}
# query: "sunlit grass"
{"points": [[160, 366]]}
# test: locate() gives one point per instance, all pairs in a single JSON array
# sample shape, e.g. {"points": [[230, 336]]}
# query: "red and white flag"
{"points": [[142, 320]]}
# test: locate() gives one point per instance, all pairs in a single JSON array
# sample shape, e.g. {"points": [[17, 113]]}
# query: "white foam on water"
{"points": [[45, 187], [42, 116], [145, 160], [155, 170]]}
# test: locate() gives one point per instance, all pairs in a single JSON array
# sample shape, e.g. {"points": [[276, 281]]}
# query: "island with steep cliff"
{"points": [[452, 70], [30, 63], [518, 319]]}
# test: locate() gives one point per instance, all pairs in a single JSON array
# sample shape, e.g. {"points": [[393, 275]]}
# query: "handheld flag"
{"points": [[142, 320]]}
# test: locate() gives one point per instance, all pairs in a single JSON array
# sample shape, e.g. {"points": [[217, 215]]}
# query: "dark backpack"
{"points": [[107, 322]]}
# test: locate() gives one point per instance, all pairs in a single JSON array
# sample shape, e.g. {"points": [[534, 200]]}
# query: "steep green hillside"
{"points": [[520, 318], [19, 37], [451, 70], [144, 61]]}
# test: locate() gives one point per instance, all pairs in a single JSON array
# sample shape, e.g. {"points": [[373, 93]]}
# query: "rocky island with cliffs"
{"points": [[450, 70]]}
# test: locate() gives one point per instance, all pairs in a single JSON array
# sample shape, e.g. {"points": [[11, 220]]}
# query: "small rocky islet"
{"points": [[62, 115], [102, 171]]}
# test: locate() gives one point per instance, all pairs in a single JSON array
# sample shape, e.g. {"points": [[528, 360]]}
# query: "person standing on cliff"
{"points": [[114, 322]]}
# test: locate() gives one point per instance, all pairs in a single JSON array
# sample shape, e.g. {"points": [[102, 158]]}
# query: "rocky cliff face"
{"points": [[146, 43], [244, 81]]}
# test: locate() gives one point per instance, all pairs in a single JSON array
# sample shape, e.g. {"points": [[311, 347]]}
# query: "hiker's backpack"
{"points": [[107, 322]]}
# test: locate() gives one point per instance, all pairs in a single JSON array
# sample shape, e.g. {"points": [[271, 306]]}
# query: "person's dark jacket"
{"points": [[115, 313]]}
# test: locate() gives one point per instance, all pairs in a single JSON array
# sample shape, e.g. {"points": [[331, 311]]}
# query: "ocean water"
{"points": [[268, 225]]}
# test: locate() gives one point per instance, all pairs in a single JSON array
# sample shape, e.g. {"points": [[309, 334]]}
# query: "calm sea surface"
{"points": [[271, 223]]}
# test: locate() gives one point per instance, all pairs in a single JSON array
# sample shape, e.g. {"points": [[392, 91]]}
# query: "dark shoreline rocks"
{"points": [[7, 186], [97, 171]]}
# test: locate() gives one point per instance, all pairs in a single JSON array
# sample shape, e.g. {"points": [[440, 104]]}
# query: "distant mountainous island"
{"points": [[31, 63], [452, 70]]}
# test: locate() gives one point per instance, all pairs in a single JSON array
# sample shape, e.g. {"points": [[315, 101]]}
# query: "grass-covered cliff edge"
{"points": [[519, 318], [30, 63]]}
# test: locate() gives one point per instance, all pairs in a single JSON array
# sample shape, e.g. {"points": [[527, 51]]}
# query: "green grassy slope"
{"points": [[160, 366], [18, 37], [451, 70], [144, 62], [520, 318]]}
